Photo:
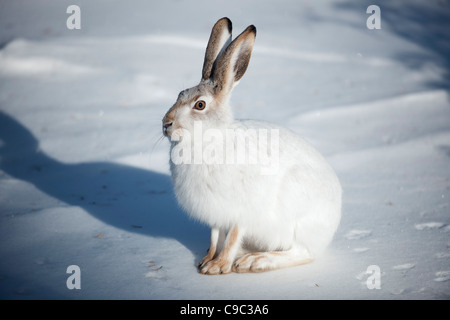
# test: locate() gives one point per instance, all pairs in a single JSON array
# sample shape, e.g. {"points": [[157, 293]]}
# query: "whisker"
{"points": [[155, 144]]}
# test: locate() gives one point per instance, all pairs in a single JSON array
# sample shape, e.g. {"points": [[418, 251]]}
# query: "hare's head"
{"points": [[225, 63]]}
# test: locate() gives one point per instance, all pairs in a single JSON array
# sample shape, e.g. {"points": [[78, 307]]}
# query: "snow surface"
{"points": [[84, 170]]}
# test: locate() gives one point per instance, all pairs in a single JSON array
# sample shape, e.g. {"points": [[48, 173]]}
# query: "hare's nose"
{"points": [[168, 124]]}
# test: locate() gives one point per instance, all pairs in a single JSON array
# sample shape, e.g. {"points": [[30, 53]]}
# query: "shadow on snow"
{"points": [[126, 197]]}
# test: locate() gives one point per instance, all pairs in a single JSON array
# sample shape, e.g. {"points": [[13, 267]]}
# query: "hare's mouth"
{"points": [[166, 127]]}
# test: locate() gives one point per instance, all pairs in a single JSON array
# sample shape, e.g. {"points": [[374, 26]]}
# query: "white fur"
{"points": [[298, 207], [288, 217]]}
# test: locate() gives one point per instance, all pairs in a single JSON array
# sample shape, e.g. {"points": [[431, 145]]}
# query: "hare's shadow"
{"points": [[123, 196]]}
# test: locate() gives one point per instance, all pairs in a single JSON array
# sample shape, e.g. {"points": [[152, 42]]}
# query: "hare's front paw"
{"points": [[216, 266], [206, 259]]}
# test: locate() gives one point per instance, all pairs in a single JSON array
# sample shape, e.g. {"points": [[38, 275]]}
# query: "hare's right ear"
{"points": [[233, 62], [220, 38]]}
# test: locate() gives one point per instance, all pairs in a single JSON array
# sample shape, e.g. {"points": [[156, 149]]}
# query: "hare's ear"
{"points": [[233, 62], [220, 38]]}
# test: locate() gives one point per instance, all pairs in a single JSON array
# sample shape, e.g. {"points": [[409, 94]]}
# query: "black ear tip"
{"points": [[229, 24], [252, 28]]}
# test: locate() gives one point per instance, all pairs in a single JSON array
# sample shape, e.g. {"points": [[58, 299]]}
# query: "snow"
{"points": [[84, 176]]}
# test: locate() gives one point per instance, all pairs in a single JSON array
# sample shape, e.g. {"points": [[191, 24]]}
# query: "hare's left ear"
{"points": [[219, 39], [233, 62]]}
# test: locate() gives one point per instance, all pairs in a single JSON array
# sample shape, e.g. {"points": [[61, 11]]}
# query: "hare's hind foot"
{"points": [[266, 261]]}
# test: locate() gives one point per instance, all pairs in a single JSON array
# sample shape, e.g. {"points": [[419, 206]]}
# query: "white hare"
{"points": [[259, 221]]}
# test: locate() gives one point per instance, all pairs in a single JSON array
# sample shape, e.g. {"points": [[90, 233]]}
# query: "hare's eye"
{"points": [[200, 105]]}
